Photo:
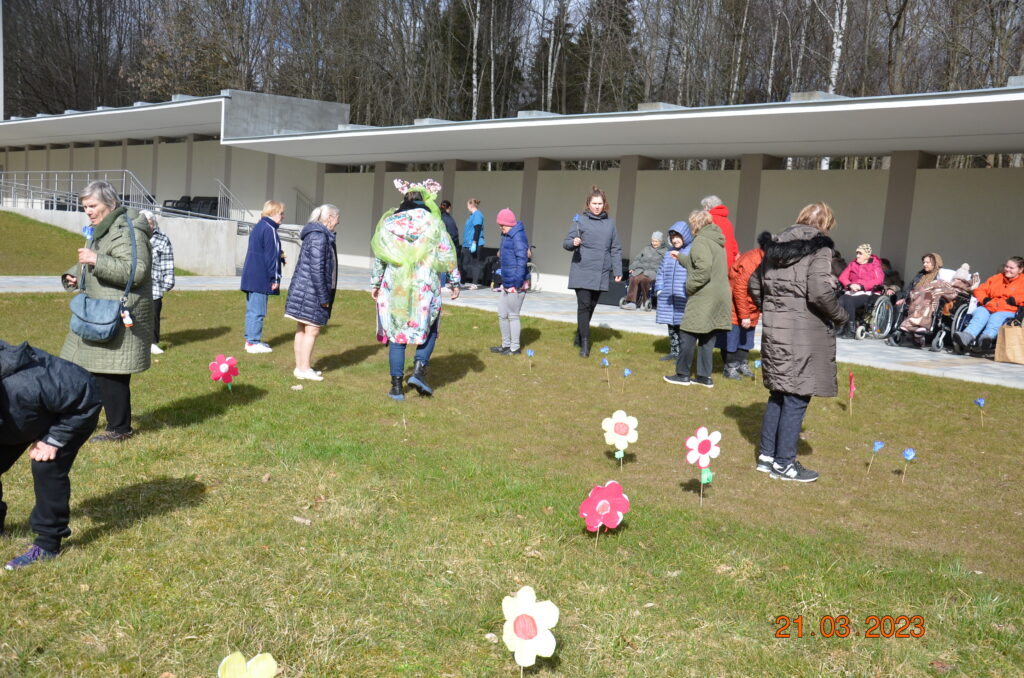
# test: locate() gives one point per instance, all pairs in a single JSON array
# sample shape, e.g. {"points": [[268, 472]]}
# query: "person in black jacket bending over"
{"points": [[50, 406]]}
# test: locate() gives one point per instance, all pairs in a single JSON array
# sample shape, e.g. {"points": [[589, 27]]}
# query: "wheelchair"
{"points": [[949, 317], [876, 319], [644, 302]]}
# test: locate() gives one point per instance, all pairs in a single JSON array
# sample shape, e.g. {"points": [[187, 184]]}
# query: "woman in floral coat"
{"points": [[411, 247]]}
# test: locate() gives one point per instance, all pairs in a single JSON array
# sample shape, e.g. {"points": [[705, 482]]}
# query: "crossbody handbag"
{"points": [[96, 320]]}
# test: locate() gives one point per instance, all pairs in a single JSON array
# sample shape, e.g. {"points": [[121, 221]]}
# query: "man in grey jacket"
{"points": [[643, 270]]}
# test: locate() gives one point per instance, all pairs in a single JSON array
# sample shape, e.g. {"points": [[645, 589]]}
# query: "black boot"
{"points": [[585, 347], [396, 389], [851, 330], [576, 339], [418, 380]]}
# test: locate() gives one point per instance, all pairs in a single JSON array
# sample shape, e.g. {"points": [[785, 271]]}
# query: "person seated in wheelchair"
{"points": [[931, 263], [643, 270], [861, 283], [930, 304], [1000, 298]]}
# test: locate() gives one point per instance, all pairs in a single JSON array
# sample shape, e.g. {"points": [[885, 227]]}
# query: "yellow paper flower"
{"points": [[619, 430], [528, 625], [235, 666]]}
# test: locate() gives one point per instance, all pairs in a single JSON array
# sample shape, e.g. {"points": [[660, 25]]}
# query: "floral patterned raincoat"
{"points": [[411, 248]]}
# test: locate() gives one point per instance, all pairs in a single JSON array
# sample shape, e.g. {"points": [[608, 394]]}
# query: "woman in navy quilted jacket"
{"points": [[311, 294]]}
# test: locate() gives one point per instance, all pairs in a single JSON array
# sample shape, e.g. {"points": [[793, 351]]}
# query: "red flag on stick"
{"points": [[852, 389]]}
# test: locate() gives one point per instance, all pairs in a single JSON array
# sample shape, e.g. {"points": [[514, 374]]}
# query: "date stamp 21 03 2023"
{"points": [[840, 626]]}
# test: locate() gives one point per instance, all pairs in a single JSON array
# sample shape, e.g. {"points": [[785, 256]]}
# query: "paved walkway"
{"points": [[562, 308]]}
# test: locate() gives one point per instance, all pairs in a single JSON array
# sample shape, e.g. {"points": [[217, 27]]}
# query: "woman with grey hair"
{"points": [[311, 294], [103, 271]]}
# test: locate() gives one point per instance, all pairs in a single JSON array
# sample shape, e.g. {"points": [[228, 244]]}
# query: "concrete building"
{"points": [[303, 152]]}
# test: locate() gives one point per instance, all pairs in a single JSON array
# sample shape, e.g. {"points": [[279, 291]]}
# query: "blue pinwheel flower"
{"points": [[87, 231], [604, 362], [605, 350], [626, 372], [909, 453], [529, 352], [757, 364], [878, 445], [980, 402]]}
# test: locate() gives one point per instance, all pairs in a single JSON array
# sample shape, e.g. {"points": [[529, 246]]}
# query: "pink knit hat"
{"points": [[506, 217]]}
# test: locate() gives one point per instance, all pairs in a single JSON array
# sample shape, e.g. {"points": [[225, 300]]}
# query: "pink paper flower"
{"points": [[223, 369], [605, 505], [619, 430], [703, 447], [528, 624]]}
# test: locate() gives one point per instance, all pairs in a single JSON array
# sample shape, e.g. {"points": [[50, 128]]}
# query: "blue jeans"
{"points": [[780, 429], [987, 324], [255, 312], [396, 351]]}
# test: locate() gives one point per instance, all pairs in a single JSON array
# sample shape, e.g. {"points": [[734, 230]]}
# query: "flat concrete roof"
{"points": [[981, 121], [165, 119]]}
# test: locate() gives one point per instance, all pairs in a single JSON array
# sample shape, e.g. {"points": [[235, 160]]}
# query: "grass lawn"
{"points": [[30, 247], [350, 535]]}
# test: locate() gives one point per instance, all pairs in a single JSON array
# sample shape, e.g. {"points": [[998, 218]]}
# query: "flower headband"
{"points": [[428, 185]]}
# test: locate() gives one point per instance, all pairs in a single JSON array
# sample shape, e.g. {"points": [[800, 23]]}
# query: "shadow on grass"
{"points": [[187, 411], [122, 508], [450, 368], [182, 337], [748, 419], [660, 345], [600, 334], [605, 532], [627, 458], [281, 339], [351, 357], [691, 485], [528, 335]]}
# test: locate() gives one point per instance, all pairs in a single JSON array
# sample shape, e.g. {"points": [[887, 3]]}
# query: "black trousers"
{"points": [[705, 346], [586, 303], [854, 302], [116, 394], [158, 305], [49, 517]]}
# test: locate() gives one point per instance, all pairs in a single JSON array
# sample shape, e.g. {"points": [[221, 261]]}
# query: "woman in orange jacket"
{"points": [[999, 298], [737, 342]]}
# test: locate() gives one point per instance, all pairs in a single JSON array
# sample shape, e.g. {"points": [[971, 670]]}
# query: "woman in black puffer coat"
{"points": [[311, 294]]}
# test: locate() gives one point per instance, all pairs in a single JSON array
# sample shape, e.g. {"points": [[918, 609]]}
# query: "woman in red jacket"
{"points": [[859, 280], [739, 340], [999, 298]]}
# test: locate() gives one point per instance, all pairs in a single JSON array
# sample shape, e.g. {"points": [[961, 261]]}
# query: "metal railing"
{"points": [[230, 207], [58, 190]]}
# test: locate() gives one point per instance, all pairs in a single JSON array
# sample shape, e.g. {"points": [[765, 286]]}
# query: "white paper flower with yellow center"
{"points": [[235, 666], [619, 430], [528, 626]]}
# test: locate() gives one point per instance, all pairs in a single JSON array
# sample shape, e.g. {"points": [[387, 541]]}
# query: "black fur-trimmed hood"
{"points": [[793, 244]]}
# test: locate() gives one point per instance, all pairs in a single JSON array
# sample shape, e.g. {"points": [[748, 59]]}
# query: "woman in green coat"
{"points": [[104, 266], [708, 300]]}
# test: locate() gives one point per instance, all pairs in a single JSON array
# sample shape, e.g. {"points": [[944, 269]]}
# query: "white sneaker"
{"points": [[309, 374], [257, 348], [155, 350]]}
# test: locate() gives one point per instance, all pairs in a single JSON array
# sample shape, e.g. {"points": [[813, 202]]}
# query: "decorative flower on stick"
{"points": [[530, 354], [980, 402], [619, 429], [703, 447], [607, 378], [605, 350], [908, 455], [224, 370], [853, 388], [876, 448], [757, 366], [605, 505], [528, 624], [625, 374], [235, 666]]}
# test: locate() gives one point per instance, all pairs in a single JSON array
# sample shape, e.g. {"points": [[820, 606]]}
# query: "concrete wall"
{"points": [[201, 246], [140, 161], [857, 197], [249, 179], [291, 176], [971, 215], [353, 194], [170, 182], [110, 158], [663, 198], [207, 167]]}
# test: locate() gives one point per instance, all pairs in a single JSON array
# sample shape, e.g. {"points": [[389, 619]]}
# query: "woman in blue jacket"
{"points": [[513, 253], [670, 286], [311, 294], [261, 273], [473, 244]]}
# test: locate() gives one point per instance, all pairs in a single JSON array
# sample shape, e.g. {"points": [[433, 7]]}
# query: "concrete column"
{"points": [[271, 168], [629, 166], [153, 182], [7, 159], [26, 157], [227, 166], [749, 200], [899, 204], [318, 191], [95, 157], [380, 188], [528, 201], [448, 180], [189, 140], [124, 160]]}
